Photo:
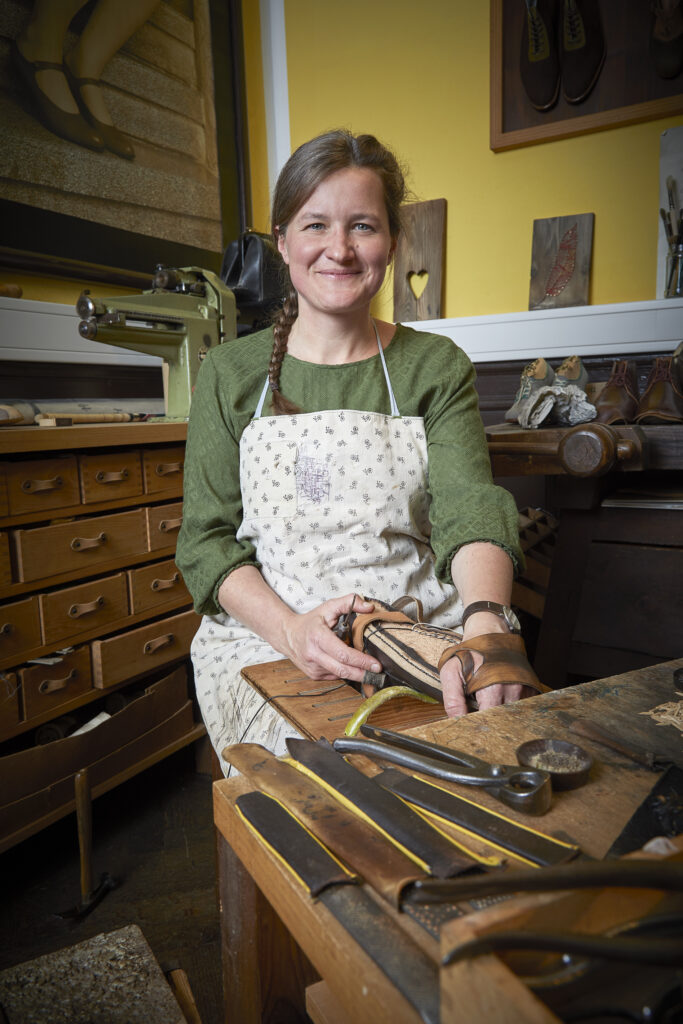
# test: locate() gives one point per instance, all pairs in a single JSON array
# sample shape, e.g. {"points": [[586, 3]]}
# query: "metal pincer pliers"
{"points": [[526, 789]]}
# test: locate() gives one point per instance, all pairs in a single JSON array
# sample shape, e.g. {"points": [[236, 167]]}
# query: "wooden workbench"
{"points": [[258, 978]]}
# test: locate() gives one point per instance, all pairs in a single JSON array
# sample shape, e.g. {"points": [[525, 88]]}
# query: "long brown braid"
{"points": [[306, 168]]}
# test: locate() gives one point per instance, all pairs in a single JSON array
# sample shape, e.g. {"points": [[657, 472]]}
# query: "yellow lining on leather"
{"points": [[278, 856]]}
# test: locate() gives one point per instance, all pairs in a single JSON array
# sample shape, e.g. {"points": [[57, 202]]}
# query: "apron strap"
{"points": [[259, 407], [392, 397]]}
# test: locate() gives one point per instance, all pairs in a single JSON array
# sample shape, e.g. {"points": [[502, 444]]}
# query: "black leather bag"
{"points": [[253, 269]]}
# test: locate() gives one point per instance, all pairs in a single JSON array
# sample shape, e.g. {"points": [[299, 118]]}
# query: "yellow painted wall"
{"points": [[417, 76]]}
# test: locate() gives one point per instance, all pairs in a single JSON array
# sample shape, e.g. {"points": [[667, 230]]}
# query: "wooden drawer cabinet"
{"points": [[81, 544], [19, 628], [68, 612], [90, 602], [162, 470], [105, 476], [48, 687], [140, 650], [153, 586], [41, 485], [163, 525]]}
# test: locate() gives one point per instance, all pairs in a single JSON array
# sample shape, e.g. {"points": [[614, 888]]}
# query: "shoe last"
{"points": [[572, 371], [537, 374]]}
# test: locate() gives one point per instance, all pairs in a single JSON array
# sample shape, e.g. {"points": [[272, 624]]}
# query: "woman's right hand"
{"points": [[319, 652]]}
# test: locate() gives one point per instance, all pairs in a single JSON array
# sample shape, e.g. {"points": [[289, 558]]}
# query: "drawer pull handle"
{"points": [[166, 468], [114, 477], [52, 685], [165, 584], [6, 629], [82, 543], [167, 525], [34, 486], [76, 610], [155, 645]]}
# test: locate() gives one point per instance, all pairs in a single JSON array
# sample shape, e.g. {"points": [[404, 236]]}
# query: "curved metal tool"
{"points": [[526, 789]]}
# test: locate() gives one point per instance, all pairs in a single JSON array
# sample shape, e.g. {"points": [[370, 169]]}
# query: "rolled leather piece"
{"points": [[618, 400], [358, 843], [662, 400]]}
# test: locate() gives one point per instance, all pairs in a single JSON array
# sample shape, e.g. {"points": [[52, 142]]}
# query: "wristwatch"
{"points": [[503, 611]]}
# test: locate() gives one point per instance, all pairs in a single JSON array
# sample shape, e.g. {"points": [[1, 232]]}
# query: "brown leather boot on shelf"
{"points": [[662, 400], [618, 400]]}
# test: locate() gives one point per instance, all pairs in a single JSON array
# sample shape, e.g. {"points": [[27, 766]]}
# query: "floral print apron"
{"points": [[334, 502]]}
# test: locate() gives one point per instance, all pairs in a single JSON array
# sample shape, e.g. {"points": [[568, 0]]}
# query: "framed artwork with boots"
{"points": [[564, 67]]}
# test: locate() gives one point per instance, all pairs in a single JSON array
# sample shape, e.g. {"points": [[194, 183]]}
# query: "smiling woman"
{"points": [[333, 457]]}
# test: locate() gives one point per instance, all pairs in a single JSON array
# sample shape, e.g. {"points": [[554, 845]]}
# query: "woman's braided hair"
{"points": [[307, 167]]}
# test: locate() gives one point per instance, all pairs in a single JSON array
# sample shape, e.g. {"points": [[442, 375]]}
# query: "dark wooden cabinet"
{"points": [[614, 600], [91, 606]]}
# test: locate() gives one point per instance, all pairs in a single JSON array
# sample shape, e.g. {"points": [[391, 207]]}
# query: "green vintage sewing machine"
{"points": [[186, 312]]}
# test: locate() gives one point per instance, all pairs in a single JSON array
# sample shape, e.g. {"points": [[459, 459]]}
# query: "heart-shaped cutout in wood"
{"points": [[418, 282]]}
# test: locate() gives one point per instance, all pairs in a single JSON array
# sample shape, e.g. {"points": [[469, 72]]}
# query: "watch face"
{"points": [[512, 620]]}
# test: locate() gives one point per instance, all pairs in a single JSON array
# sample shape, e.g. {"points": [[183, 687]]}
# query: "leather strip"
{"points": [[424, 843], [407, 966], [386, 868], [526, 843]]}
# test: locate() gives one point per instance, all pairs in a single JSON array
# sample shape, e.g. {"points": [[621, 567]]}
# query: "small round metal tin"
{"points": [[567, 764]]}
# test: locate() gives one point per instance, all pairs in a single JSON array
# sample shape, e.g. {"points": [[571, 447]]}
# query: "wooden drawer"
{"points": [[140, 650], [162, 470], [163, 525], [67, 613], [42, 484], [81, 544], [153, 586], [112, 475], [45, 687], [5, 564], [19, 628], [9, 702]]}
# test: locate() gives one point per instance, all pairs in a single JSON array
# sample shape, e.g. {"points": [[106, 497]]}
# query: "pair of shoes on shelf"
{"points": [[568, 49], [540, 375], [666, 37], [661, 401], [83, 128]]}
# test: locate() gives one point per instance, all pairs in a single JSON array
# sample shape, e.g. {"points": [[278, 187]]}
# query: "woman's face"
{"points": [[338, 245]]}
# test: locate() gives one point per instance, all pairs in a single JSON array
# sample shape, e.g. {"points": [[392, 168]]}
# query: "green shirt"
{"points": [[431, 378]]}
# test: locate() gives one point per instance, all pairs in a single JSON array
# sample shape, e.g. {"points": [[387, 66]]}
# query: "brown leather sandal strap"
{"points": [[504, 662], [378, 615]]}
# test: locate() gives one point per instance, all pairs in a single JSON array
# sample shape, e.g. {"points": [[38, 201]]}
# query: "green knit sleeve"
{"points": [[207, 548], [466, 504]]}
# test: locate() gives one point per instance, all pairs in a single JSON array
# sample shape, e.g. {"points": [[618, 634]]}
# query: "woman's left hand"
{"points": [[453, 684]]}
